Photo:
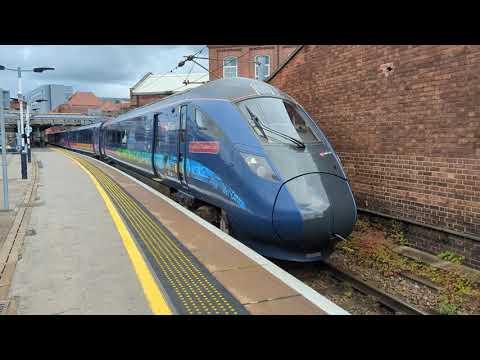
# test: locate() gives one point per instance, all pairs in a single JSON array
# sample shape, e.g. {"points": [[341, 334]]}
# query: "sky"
{"points": [[106, 70]]}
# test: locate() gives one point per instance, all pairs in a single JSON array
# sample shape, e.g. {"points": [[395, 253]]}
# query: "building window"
{"points": [[230, 67], [262, 67]]}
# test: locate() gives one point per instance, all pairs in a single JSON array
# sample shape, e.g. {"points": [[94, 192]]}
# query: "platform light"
{"points": [[25, 149], [42, 69]]}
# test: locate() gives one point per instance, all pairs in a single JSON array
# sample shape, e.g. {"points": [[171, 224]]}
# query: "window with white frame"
{"points": [[262, 67], [230, 67]]}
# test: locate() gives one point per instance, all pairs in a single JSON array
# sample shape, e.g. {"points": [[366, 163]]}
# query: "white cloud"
{"points": [[107, 70]]}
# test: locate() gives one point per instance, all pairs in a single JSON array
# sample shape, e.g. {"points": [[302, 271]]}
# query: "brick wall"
{"points": [[140, 100], [409, 138], [246, 54]]}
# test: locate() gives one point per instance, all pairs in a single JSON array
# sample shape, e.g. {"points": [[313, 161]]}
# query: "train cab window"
{"points": [[275, 121], [206, 125], [199, 120]]}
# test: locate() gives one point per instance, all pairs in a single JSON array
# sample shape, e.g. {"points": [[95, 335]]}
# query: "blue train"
{"points": [[241, 153]]}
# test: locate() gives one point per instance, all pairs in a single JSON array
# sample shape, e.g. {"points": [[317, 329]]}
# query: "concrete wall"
{"points": [[409, 137]]}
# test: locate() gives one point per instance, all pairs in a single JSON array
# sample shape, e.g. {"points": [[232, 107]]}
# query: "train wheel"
{"points": [[224, 225]]}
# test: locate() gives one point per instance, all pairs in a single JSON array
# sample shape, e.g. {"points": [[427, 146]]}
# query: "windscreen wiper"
{"points": [[299, 143], [264, 127], [256, 121]]}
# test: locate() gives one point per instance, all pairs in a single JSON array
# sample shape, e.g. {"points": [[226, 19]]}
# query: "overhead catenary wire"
{"points": [[186, 79], [177, 66], [212, 72]]}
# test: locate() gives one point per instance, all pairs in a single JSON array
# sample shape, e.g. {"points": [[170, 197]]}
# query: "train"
{"points": [[242, 154]]}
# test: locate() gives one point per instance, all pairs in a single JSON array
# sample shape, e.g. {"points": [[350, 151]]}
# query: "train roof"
{"points": [[222, 89], [78, 128]]}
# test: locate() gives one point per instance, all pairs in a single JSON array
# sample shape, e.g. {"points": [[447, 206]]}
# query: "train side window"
{"points": [[140, 130], [199, 120], [206, 125]]}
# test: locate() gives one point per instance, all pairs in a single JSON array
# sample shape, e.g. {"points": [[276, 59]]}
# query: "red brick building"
{"points": [[80, 102], [88, 103], [406, 123], [252, 61]]}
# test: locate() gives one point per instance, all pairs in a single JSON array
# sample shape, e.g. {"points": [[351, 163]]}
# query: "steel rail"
{"points": [[399, 306]]}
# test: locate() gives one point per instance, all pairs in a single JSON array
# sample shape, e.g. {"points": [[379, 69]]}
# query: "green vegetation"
{"points": [[396, 233], [362, 225], [369, 248], [447, 308], [451, 256]]}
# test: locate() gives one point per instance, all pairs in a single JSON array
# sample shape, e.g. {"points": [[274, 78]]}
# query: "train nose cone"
{"points": [[311, 208]]}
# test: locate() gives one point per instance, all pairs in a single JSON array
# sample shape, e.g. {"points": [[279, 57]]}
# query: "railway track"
{"points": [[309, 272], [394, 304]]}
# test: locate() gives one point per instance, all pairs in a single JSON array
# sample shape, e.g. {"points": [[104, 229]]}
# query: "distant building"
{"points": [[152, 87], [114, 99], [110, 108], [53, 94], [251, 61], [81, 102], [89, 104], [15, 104]]}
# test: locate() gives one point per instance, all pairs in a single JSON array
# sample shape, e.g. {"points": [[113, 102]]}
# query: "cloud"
{"points": [[107, 70]]}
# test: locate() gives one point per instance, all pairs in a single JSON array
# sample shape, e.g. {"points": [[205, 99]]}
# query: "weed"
{"points": [[344, 246], [445, 307], [396, 233], [451, 256], [348, 293], [362, 225]]}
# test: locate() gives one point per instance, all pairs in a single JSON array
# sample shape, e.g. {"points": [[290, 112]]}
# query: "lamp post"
{"points": [[19, 71], [4, 153]]}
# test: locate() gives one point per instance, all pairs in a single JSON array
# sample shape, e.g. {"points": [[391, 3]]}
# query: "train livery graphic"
{"points": [[244, 151]]}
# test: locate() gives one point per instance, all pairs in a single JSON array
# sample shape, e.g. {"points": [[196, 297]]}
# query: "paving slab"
{"points": [[74, 262], [17, 188]]}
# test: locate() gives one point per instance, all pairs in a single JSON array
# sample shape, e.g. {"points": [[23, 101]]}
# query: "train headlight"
{"points": [[259, 166]]}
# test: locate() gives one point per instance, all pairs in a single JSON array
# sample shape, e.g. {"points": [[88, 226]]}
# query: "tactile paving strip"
{"points": [[4, 307], [189, 285]]}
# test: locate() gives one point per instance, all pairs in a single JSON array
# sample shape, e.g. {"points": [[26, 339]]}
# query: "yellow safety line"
{"points": [[155, 298], [127, 205]]}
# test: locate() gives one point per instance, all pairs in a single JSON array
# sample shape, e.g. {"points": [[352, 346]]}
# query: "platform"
{"points": [[102, 242], [17, 188]]}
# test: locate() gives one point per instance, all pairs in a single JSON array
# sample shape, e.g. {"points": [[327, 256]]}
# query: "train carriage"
{"points": [[246, 152]]}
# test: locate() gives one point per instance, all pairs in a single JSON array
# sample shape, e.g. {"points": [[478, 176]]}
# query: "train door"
{"points": [[181, 144]]}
